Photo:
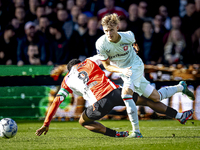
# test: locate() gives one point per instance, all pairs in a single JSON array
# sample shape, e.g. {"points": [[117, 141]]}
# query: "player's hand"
{"points": [[127, 71], [136, 47], [41, 130]]}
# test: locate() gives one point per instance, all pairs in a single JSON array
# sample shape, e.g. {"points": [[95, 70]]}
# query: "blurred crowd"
{"points": [[52, 32]]}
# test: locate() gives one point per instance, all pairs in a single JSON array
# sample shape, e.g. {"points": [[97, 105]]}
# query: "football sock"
{"points": [[169, 91], [110, 132], [171, 112], [132, 112]]}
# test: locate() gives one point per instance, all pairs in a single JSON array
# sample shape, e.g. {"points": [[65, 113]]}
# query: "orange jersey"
{"points": [[88, 80]]}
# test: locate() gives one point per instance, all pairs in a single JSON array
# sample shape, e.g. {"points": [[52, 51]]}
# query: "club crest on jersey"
{"points": [[125, 48]]}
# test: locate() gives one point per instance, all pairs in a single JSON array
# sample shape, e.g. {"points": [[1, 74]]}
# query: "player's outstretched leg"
{"points": [[135, 135], [185, 116], [186, 91]]}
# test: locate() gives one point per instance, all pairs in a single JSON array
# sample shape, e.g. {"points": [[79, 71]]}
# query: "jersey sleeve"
{"points": [[131, 36], [95, 59], [100, 50]]}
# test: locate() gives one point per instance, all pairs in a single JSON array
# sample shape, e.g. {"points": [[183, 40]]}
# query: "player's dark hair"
{"points": [[72, 63]]}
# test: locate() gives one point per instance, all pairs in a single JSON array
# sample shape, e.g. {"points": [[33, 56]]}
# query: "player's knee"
{"points": [[84, 123], [155, 96], [84, 120], [81, 122]]}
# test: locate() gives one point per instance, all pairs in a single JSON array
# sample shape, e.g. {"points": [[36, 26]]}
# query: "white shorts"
{"points": [[137, 82], [145, 88]]}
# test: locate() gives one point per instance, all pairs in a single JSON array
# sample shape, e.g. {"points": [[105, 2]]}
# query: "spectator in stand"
{"points": [[182, 5], [166, 19], [20, 15], [84, 9], [159, 27], [196, 47], [174, 48], [64, 19], [31, 13], [143, 10], [81, 25], [60, 5], [40, 10], [91, 36], [33, 55], [191, 20], [13, 5], [123, 24], [94, 6], [75, 11], [175, 24], [81, 28], [59, 47], [8, 47], [111, 8], [150, 44], [49, 11], [42, 27], [19, 3], [43, 30], [134, 22], [30, 37], [15, 23], [69, 5]]}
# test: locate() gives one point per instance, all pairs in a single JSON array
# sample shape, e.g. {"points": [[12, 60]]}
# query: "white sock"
{"points": [[179, 88], [169, 91], [132, 112], [178, 115]]}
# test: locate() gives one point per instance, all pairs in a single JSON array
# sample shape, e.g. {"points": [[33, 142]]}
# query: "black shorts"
{"points": [[106, 104]]}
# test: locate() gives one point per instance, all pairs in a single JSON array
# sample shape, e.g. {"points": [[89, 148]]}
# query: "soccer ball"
{"points": [[8, 128]]}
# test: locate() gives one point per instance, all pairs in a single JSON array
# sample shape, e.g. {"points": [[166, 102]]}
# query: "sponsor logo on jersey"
{"points": [[118, 55], [124, 44]]}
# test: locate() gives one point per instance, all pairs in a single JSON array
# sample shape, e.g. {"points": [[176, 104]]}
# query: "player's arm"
{"points": [[126, 71], [52, 110]]}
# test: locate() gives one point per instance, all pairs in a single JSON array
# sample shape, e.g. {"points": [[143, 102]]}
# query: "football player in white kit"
{"points": [[88, 80], [118, 55]]}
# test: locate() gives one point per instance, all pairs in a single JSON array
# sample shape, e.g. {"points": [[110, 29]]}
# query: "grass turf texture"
{"points": [[158, 135]]}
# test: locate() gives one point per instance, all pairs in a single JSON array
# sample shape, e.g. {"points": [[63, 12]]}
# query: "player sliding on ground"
{"points": [[88, 80], [118, 55]]}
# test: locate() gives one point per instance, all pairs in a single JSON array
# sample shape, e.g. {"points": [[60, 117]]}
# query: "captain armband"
{"points": [[63, 93]]}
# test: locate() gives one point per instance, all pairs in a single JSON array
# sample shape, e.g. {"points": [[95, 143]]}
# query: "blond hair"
{"points": [[110, 20]]}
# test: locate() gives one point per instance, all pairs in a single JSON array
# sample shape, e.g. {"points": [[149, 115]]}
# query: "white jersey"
{"points": [[120, 54], [123, 55]]}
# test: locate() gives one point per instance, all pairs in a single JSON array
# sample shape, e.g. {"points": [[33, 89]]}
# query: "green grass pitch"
{"points": [[158, 135]]}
